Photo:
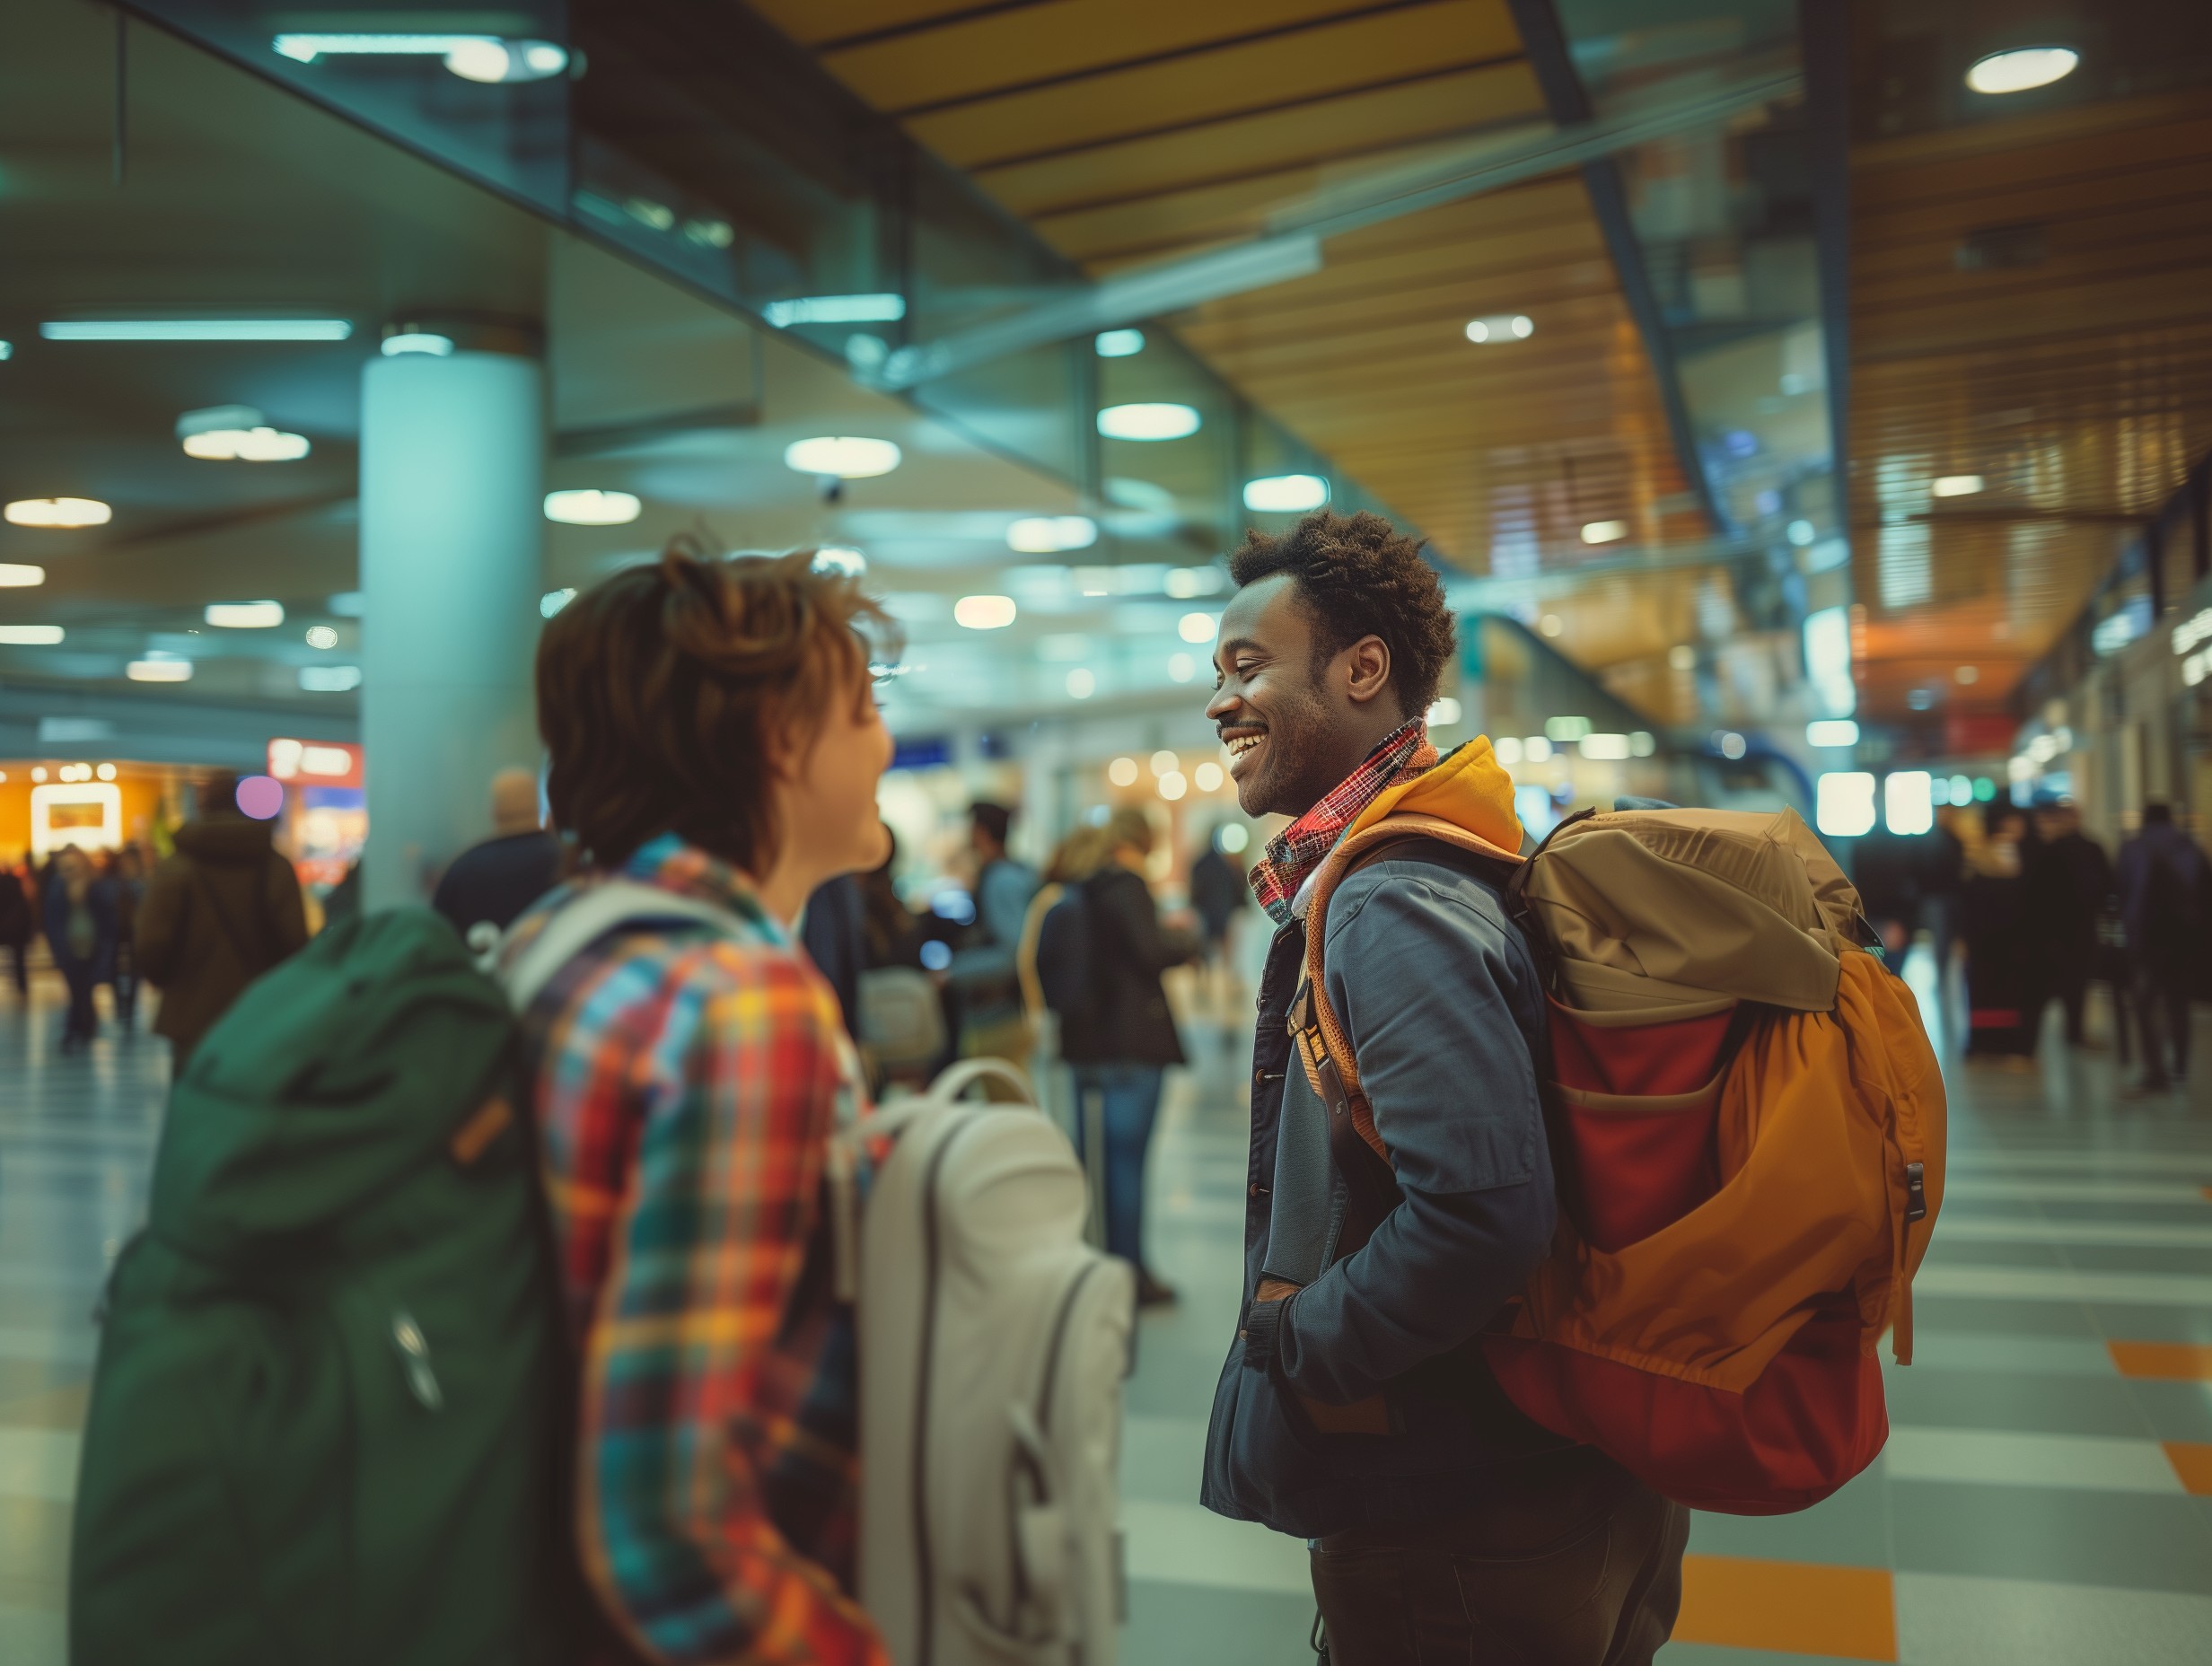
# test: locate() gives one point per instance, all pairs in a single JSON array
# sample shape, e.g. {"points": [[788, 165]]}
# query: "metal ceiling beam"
{"points": [[1290, 246]]}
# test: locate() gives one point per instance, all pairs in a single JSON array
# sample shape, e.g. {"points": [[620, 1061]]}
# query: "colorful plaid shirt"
{"points": [[1297, 850], [688, 1085]]}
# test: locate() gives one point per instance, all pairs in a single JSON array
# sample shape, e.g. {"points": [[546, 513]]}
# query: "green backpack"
{"points": [[331, 1402]]}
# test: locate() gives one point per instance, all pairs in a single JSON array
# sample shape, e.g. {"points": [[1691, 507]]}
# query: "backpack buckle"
{"points": [[1916, 1192]]}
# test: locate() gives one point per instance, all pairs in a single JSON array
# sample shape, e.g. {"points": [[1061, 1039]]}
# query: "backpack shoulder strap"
{"points": [[601, 910]]}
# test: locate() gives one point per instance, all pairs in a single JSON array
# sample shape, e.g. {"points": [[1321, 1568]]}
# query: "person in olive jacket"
{"points": [[1122, 1042], [218, 914]]}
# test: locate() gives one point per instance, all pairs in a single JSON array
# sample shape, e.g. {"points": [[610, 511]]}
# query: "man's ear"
{"points": [[1368, 664]]}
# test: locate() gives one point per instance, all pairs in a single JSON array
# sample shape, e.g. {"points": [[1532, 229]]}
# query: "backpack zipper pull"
{"points": [[414, 1348]]}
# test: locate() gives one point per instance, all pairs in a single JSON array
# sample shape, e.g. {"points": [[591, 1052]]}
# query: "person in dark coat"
{"points": [[16, 924], [834, 932], [490, 884], [2077, 882], [81, 931], [2162, 880], [2004, 972], [1120, 1047]]}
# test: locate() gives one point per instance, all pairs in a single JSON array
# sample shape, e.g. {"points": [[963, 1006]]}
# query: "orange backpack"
{"points": [[1747, 1123]]}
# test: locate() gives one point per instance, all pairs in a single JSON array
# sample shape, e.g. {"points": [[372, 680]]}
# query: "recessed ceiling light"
{"points": [[1148, 422], [1044, 535], [197, 330], [839, 559], [159, 670], [1501, 327], [984, 612], [236, 434], [423, 341], [876, 309], [19, 576], [329, 679], [1118, 344], [245, 615], [321, 636], [1286, 493], [1956, 484], [30, 636], [2021, 68], [845, 456], [589, 506], [60, 511], [1605, 532], [473, 57]]}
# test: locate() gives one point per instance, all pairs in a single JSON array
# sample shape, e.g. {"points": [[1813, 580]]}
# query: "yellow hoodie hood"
{"points": [[1467, 788]]}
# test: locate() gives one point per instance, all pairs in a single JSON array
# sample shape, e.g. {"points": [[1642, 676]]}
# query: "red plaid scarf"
{"points": [[1297, 850]]}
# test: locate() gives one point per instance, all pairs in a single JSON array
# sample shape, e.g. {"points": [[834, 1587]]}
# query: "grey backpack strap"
{"points": [[601, 910]]}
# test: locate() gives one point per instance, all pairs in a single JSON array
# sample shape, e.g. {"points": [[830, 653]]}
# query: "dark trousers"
{"points": [[82, 1023], [1547, 1582], [21, 951], [2161, 1014], [1127, 1098]]}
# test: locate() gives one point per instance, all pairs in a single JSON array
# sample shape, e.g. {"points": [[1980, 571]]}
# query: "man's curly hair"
{"points": [[1359, 576]]}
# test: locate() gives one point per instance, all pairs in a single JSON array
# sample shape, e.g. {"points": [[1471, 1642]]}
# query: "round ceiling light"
{"points": [[62, 511], [2020, 68], [321, 636], [1148, 422], [1045, 535], [984, 612], [845, 456], [245, 615], [1286, 493], [589, 506]]}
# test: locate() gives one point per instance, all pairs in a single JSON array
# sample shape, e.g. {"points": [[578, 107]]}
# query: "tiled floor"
{"points": [[2043, 1499]]}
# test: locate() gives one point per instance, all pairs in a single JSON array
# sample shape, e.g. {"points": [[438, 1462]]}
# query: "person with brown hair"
{"points": [[713, 734]]}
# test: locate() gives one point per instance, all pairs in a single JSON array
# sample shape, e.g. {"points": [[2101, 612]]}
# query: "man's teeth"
{"points": [[1240, 744]]}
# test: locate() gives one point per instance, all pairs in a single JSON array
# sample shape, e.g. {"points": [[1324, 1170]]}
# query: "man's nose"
{"points": [[1222, 702]]}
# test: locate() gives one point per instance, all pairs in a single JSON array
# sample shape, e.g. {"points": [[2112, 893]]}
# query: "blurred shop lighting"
{"points": [[589, 506], [329, 679], [7, 351], [260, 797], [1235, 839], [1184, 583], [237, 434], [197, 330], [423, 341], [1605, 748], [487, 58], [984, 612], [840, 558], [1828, 660], [321, 636], [1562, 730], [1164, 761], [1208, 776], [1045, 535], [1729, 744], [1801, 533], [1118, 344], [1641, 744], [245, 615], [554, 600], [1286, 493], [30, 636], [1843, 804], [106, 772], [1443, 713], [1122, 772], [1503, 327], [1605, 532], [1081, 684], [1966, 676], [58, 511], [159, 668], [875, 309], [1536, 749], [19, 576], [1182, 667], [1147, 422], [1682, 657], [1956, 484], [1197, 628], [1506, 748], [847, 457], [1909, 802], [2021, 68], [1831, 732], [1551, 625], [1172, 786]]}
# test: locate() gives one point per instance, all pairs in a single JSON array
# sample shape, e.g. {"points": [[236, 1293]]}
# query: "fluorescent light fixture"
{"points": [[30, 636], [236, 434], [427, 342], [1148, 422], [1831, 732], [2021, 68], [58, 511], [841, 559], [1181, 667], [1081, 684], [1605, 532], [1197, 628], [1286, 493], [877, 309], [1843, 804], [19, 576], [984, 612], [159, 670], [1908, 801], [847, 457], [1501, 327], [1607, 748], [1044, 535], [329, 679], [553, 602], [1118, 344], [1828, 660], [321, 636], [1443, 712], [487, 58], [589, 506], [1956, 484], [245, 615], [197, 330]]}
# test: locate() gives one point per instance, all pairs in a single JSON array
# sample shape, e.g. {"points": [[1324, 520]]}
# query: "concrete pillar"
{"points": [[452, 555]]}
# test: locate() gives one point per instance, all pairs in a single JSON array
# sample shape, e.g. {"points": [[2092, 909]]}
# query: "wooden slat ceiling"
{"points": [[2078, 385], [1131, 131]]}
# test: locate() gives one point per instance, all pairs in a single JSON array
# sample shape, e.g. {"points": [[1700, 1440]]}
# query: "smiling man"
{"points": [[1355, 1409]]}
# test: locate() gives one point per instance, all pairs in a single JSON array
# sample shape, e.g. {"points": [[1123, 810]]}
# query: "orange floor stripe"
{"points": [[2189, 1362], [1794, 1607], [2192, 1461]]}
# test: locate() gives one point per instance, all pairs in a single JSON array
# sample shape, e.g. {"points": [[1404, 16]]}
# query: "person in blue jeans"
{"points": [[1121, 1043]]}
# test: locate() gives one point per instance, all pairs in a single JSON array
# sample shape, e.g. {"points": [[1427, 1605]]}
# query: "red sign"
{"points": [[315, 763]]}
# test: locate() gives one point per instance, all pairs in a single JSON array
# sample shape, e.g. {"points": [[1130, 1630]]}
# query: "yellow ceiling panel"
{"points": [[812, 22]]}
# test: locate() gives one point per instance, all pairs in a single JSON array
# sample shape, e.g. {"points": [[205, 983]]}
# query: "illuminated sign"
{"points": [[88, 813], [315, 763]]}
